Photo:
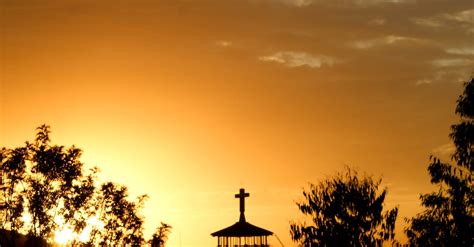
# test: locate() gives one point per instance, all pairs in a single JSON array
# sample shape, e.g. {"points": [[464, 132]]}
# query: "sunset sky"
{"points": [[190, 100]]}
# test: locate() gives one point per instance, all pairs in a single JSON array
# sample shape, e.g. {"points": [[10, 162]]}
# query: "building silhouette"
{"points": [[242, 233]]}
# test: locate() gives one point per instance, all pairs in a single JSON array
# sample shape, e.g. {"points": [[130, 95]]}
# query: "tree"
{"points": [[45, 182], [12, 173], [160, 236], [345, 211], [448, 218], [57, 191], [122, 224], [49, 184]]}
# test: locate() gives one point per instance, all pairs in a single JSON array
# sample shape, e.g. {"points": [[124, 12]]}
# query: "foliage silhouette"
{"points": [[160, 236], [12, 174], [122, 223], [448, 218], [345, 210], [48, 183], [55, 187]]}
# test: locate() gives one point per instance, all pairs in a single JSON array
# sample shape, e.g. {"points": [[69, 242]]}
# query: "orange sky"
{"points": [[187, 100]]}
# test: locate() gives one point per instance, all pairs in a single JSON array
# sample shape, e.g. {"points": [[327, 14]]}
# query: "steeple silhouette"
{"points": [[242, 233], [242, 196]]}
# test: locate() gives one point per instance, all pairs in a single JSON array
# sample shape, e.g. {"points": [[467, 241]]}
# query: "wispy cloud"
{"points": [[371, 2], [298, 59], [428, 22], [377, 22], [303, 3], [466, 16], [463, 18], [461, 51], [363, 44], [423, 81], [451, 62], [446, 74], [444, 149], [387, 40], [223, 43], [298, 3]]}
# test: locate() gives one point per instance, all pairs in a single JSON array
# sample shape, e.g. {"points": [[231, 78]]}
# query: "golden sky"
{"points": [[190, 100]]}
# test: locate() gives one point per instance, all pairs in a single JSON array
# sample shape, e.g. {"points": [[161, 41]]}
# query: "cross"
{"points": [[242, 196]]}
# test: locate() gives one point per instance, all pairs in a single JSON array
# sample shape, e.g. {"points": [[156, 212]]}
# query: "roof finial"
{"points": [[242, 196]]}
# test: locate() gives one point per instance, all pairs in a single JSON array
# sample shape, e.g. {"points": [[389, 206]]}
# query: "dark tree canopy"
{"points": [[345, 210], [49, 184], [122, 225], [160, 236], [448, 218], [55, 186]]}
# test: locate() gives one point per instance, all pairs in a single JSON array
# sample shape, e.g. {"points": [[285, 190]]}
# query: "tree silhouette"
{"points": [[122, 224], [345, 211], [12, 174], [448, 218], [160, 236], [48, 183], [57, 188]]}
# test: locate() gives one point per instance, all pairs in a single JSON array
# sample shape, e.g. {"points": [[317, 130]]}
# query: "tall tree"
{"points": [[345, 210], [49, 184], [448, 218], [12, 174], [57, 188], [45, 182], [122, 223]]}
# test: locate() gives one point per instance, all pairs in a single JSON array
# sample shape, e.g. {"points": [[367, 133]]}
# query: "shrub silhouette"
{"points": [[160, 236], [48, 183], [345, 210], [448, 218]]}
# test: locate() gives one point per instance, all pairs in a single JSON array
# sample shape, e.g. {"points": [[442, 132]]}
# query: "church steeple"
{"points": [[242, 233], [242, 196]]}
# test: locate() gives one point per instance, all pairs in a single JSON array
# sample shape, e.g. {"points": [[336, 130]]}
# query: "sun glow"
{"points": [[64, 236], [26, 218]]}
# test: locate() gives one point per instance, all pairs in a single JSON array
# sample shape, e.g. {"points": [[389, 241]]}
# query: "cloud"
{"points": [[223, 43], [461, 51], [463, 18], [444, 149], [298, 3], [373, 2], [304, 3], [446, 74], [387, 40], [363, 44], [428, 22], [377, 22], [298, 59], [450, 62], [466, 16], [423, 81]]}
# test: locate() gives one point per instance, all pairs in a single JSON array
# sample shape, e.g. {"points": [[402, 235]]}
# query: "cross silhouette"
{"points": [[242, 196]]}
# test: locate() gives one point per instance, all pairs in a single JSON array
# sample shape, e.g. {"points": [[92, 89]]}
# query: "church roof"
{"points": [[242, 229]]}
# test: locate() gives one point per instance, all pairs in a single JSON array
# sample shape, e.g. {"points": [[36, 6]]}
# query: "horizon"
{"points": [[189, 101]]}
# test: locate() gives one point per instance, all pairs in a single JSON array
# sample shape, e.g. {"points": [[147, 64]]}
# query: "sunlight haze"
{"points": [[189, 100]]}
